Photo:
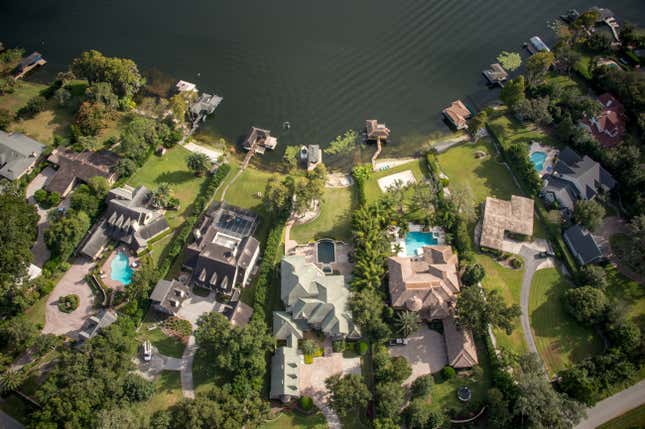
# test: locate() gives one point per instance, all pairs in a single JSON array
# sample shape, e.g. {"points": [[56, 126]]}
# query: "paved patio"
{"points": [[195, 305], [425, 351], [406, 177]]}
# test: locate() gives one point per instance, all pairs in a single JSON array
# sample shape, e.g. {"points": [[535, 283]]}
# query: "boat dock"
{"points": [[29, 63]]}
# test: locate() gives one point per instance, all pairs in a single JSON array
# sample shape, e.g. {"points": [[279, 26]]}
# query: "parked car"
{"points": [[147, 351], [546, 254], [399, 342]]}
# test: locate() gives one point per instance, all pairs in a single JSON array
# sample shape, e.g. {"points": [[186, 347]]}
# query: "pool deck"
{"points": [[106, 269], [439, 233], [551, 154]]}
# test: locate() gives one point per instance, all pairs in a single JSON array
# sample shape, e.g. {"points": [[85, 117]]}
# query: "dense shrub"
{"points": [[305, 403], [5, 119], [586, 304], [34, 106], [136, 388], [339, 346], [68, 303], [473, 274], [362, 348], [516, 262], [422, 386], [41, 197], [448, 373]]}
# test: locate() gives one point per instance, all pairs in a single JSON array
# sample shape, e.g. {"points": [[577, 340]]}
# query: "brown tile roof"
{"points": [[458, 113], [514, 216], [376, 130], [80, 166], [609, 126], [460, 345], [428, 283]]}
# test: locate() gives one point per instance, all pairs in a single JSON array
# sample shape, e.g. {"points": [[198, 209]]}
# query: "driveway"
{"points": [[614, 406], [312, 379], [39, 250], [195, 305], [73, 282], [425, 351]]}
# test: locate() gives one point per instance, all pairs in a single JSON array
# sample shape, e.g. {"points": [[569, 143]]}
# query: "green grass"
{"points": [[23, 93], [372, 190], [36, 313], [334, 220], [169, 346], [509, 284], [204, 375], [559, 338], [295, 420], [159, 248], [627, 294], [167, 393], [171, 168], [631, 419], [486, 176], [582, 66], [244, 191], [522, 132]]}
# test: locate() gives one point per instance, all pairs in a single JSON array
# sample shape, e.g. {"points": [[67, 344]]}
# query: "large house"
{"points": [[168, 295], [429, 284], [224, 251], [312, 300], [129, 218], [576, 178], [18, 154], [502, 217], [609, 126], [75, 167], [583, 245], [457, 114]]}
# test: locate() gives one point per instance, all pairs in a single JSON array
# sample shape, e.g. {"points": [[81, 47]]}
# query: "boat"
{"points": [[570, 16], [286, 125]]}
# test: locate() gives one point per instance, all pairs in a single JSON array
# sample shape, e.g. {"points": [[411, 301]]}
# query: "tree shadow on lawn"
{"points": [[564, 334], [496, 178], [175, 177]]}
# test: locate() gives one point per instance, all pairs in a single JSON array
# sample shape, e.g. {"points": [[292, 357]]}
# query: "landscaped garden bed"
{"points": [[68, 303]]}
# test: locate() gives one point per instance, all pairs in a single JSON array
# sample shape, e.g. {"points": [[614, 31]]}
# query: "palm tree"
{"points": [[198, 163], [161, 196], [11, 380], [308, 347], [407, 322]]}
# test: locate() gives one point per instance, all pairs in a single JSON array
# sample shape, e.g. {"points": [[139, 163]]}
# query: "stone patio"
{"points": [[425, 351]]}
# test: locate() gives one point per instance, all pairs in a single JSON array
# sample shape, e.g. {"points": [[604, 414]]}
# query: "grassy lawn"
{"points": [[582, 65], [244, 191], [295, 420], [204, 375], [159, 248], [509, 283], [23, 93], [560, 339], [334, 220], [515, 131], [171, 168], [167, 393], [372, 190], [485, 176], [36, 313], [169, 346], [627, 294], [631, 419]]}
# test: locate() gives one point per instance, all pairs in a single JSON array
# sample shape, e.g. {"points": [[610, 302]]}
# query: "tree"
{"points": [[308, 347], [624, 334], [567, 57], [588, 213], [5, 119], [578, 383], [122, 74], [592, 275], [537, 65], [85, 200], [161, 196], [422, 386], [389, 368], [386, 423], [7, 85], [537, 404], [17, 334], [99, 186], [87, 143], [367, 309], [478, 122], [424, 199], [420, 415], [513, 92], [198, 163], [125, 167], [277, 195], [65, 232], [534, 109], [137, 388], [349, 394], [34, 106], [462, 198], [586, 304], [138, 138], [11, 380], [90, 119], [511, 61], [291, 156], [407, 322], [179, 107], [473, 274], [343, 145], [17, 235], [390, 398], [101, 93], [499, 415], [477, 308]]}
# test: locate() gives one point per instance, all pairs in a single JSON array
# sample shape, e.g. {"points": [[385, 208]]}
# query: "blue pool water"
{"points": [[416, 240], [120, 269], [537, 158]]}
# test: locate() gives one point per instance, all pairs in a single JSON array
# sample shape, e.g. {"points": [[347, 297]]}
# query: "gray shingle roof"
{"points": [[582, 245], [18, 153]]}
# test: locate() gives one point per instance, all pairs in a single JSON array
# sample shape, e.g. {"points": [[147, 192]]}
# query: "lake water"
{"points": [[323, 66]]}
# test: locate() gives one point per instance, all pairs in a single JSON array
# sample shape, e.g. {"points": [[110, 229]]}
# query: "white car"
{"points": [[147, 351]]}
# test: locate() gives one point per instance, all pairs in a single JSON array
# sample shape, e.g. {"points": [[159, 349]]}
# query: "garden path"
{"points": [[187, 386]]}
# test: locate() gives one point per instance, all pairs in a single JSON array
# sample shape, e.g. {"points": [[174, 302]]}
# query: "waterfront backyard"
{"points": [[334, 220]]}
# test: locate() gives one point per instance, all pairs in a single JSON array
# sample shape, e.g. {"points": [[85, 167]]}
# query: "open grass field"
{"points": [[23, 93], [509, 282], [171, 168], [245, 190], [372, 190], [519, 132], [334, 220], [167, 393], [631, 419], [627, 294], [295, 420], [486, 176], [560, 339]]}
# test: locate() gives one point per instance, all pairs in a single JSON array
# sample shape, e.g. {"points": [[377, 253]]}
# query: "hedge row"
{"points": [[179, 240], [266, 271]]}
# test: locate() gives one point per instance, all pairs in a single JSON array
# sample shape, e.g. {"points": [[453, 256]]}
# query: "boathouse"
{"points": [[35, 59], [376, 131], [204, 106], [536, 44], [495, 74], [258, 140], [457, 114]]}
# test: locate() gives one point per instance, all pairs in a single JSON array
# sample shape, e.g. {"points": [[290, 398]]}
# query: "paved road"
{"points": [[187, 385], [8, 422], [614, 406]]}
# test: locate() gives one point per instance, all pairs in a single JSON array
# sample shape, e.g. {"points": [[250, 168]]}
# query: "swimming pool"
{"points": [[326, 252], [537, 158], [120, 269], [416, 240]]}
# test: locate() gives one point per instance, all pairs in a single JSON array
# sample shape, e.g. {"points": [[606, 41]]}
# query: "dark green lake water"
{"points": [[325, 66]]}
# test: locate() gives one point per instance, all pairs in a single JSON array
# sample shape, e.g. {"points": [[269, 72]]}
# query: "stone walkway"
{"points": [[187, 386], [39, 250]]}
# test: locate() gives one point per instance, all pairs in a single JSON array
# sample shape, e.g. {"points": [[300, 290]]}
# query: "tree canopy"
{"points": [[589, 213], [477, 308], [511, 61], [349, 394], [121, 73]]}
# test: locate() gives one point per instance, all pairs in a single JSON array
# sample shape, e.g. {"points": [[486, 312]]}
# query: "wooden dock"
{"points": [[30, 67]]}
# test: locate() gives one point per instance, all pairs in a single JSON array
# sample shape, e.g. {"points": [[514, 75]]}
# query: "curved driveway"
{"points": [[614, 406]]}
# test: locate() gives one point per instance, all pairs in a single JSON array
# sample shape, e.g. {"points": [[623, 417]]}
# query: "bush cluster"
{"points": [[68, 303]]}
